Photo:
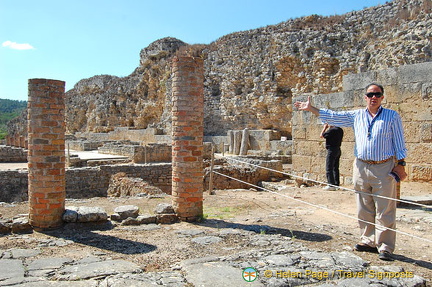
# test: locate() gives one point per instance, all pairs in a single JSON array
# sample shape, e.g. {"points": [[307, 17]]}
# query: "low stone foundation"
{"points": [[90, 182], [139, 154], [251, 174], [86, 182], [12, 154]]}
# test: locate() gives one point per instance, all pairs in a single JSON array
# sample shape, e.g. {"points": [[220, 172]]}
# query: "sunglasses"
{"points": [[377, 95]]}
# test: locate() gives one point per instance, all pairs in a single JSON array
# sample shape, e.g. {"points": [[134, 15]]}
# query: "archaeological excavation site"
{"points": [[198, 163]]}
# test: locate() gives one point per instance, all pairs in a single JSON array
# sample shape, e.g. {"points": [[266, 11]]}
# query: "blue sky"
{"points": [[77, 39]]}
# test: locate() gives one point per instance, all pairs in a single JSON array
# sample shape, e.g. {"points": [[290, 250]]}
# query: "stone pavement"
{"points": [[277, 260]]}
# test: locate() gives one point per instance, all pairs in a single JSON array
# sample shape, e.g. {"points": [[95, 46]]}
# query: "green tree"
{"points": [[9, 109]]}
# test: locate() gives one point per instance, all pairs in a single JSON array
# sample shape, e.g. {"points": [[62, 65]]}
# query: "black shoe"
{"points": [[365, 248], [385, 255]]}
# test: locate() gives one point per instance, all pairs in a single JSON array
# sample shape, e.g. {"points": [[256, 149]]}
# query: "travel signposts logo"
{"points": [[250, 274]]}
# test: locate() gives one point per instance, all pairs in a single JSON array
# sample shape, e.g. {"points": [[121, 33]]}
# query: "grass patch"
{"points": [[222, 212]]}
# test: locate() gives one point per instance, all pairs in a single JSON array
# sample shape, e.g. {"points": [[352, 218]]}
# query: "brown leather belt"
{"points": [[375, 162]]}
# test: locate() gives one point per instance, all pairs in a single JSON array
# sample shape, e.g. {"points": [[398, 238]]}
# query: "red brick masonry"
{"points": [[187, 142], [46, 154]]}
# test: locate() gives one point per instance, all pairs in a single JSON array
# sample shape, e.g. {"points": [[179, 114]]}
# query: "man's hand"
{"points": [[325, 127], [303, 106], [400, 171], [307, 106]]}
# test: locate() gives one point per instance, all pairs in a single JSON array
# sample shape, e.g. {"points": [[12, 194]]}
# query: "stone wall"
{"points": [[138, 153], [408, 90], [83, 145], [12, 154], [86, 182], [146, 135], [94, 181], [248, 174], [14, 185]]}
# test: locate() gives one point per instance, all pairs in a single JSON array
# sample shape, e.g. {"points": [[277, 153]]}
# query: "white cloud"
{"points": [[16, 46]]}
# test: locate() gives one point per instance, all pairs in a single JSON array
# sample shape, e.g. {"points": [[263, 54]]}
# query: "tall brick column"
{"points": [[46, 153], [187, 137]]}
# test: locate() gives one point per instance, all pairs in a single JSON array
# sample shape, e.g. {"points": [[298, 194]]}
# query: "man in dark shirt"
{"points": [[333, 136]]}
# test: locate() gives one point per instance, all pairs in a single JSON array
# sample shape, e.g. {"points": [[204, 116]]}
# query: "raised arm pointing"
{"points": [[307, 106]]}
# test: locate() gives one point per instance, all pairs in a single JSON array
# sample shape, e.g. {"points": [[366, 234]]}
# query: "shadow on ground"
{"points": [[421, 263], [266, 229], [87, 234]]}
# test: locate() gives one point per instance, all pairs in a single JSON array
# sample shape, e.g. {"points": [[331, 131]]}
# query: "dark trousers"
{"points": [[332, 166]]}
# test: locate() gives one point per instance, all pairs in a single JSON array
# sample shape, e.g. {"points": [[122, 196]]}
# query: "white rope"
{"points": [[348, 189], [325, 208]]}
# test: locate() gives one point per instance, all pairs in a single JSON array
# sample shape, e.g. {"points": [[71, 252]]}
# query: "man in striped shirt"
{"points": [[380, 152]]}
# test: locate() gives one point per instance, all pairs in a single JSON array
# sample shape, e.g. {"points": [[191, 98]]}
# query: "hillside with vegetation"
{"points": [[9, 109]]}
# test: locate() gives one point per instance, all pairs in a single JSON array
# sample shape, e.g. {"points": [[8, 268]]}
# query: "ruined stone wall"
{"points": [[94, 181], [83, 145], [140, 154], [146, 135], [251, 76], [90, 182], [408, 90], [12, 154], [248, 174], [14, 185], [86, 182]]}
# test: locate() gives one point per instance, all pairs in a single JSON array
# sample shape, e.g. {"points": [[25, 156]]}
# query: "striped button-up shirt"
{"points": [[376, 138]]}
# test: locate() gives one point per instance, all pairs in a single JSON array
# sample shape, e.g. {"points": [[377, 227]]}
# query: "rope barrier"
{"points": [[325, 208], [344, 188]]}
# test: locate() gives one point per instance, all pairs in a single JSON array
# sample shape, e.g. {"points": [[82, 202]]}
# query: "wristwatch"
{"points": [[402, 163]]}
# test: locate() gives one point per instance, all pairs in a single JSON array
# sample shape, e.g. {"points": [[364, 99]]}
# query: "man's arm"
{"points": [[307, 106], [326, 126], [399, 146]]}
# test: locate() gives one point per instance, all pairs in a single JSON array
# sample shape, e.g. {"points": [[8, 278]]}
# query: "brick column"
{"points": [[187, 137], [46, 153]]}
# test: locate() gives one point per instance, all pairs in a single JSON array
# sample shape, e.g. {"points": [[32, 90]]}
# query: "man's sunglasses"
{"points": [[370, 95]]}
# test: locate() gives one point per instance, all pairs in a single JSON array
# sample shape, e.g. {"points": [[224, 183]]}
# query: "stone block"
{"points": [[5, 226], [417, 153], [301, 163], [426, 92], [131, 221], [166, 218], [21, 225], [421, 173], [126, 211], [415, 73], [299, 133], [164, 208], [70, 214], [147, 219], [426, 133], [388, 77], [358, 81], [91, 214]]}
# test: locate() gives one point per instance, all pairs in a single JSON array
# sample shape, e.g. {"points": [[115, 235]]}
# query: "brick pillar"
{"points": [[12, 140], [46, 153], [187, 137]]}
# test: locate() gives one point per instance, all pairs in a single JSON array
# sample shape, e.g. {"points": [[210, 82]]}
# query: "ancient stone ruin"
{"points": [[250, 80]]}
